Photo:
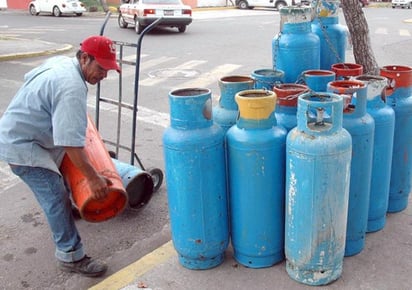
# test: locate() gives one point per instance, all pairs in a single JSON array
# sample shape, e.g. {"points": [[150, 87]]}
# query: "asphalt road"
{"points": [[216, 44]]}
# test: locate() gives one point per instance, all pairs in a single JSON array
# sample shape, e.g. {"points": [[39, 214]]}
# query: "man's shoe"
{"points": [[86, 267]]}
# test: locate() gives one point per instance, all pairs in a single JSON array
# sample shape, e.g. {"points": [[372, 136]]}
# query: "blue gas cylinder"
{"points": [[399, 96], [137, 182], [361, 127], [196, 180], [384, 117], [332, 35], [296, 48], [317, 188], [226, 111], [287, 103], [266, 78], [256, 158]]}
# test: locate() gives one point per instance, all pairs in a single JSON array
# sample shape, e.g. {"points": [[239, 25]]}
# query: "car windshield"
{"points": [[161, 1]]}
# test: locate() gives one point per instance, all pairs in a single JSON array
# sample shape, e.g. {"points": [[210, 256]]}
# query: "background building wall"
{"points": [[18, 4]]}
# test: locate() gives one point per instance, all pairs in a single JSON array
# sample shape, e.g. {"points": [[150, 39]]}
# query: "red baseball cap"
{"points": [[103, 50]]}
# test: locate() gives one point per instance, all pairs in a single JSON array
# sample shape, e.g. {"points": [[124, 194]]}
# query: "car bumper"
{"points": [[73, 10], [175, 21], [400, 5]]}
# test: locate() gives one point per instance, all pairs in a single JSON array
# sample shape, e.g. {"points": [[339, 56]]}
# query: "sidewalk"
{"points": [[384, 264]]}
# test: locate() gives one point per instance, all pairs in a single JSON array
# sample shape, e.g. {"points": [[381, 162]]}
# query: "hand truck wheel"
{"points": [[157, 176]]}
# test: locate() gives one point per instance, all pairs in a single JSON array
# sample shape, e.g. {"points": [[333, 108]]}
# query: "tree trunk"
{"points": [[104, 5], [359, 33]]}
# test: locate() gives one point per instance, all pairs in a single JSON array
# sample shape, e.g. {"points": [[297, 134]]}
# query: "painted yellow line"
{"points": [[128, 275], [408, 20]]}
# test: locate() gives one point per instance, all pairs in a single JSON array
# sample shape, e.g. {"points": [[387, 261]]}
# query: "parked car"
{"points": [[402, 4], [56, 7], [250, 4], [141, 13]]}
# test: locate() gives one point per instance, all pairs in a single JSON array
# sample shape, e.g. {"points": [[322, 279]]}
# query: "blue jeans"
{"points": [[50, 191]]}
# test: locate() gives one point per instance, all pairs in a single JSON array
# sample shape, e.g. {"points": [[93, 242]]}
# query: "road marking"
{"points": [[129, 70], [30, 64], [144, 114], [161, 119], [404, 32], [210, 77], [153, 117], [11, 84], [186, 65], [40, 29], [127, 275], [227, 13], [384, 31], [381, 30]]}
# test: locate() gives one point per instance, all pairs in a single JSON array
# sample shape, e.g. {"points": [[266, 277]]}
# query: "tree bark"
{"points": [[359, 33]]}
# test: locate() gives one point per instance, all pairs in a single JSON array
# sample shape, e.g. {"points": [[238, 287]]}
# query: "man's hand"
{"points": [[99, 186]]}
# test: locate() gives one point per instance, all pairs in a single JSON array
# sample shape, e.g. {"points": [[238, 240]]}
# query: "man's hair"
{"points": [[79, 54]]}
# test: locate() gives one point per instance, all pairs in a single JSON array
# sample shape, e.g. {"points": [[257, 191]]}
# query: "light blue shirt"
{"points": [[48, 112]]}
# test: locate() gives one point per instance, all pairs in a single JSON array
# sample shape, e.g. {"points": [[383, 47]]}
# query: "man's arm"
{"points": [[97, 182]]}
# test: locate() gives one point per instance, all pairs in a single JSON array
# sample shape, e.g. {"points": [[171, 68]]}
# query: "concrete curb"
{"points": [[41, 52]]}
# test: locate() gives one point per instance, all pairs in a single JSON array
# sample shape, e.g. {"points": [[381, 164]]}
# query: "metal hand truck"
{"points": [[140, 182]]}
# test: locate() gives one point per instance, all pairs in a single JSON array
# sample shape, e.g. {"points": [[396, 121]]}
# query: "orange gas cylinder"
{"points": [[90, 209]]}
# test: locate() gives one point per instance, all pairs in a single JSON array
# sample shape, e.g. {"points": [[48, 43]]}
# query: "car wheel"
{"points": [[138, 27], [121, 22], [280, 4], [182, 28], [243, 4], [79, 14], [56, 11], [33, 11]]}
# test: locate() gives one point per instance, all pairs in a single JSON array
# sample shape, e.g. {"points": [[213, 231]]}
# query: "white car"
{"points": [[141, 13], [56, 7], [402, 4], [277, 4]]}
